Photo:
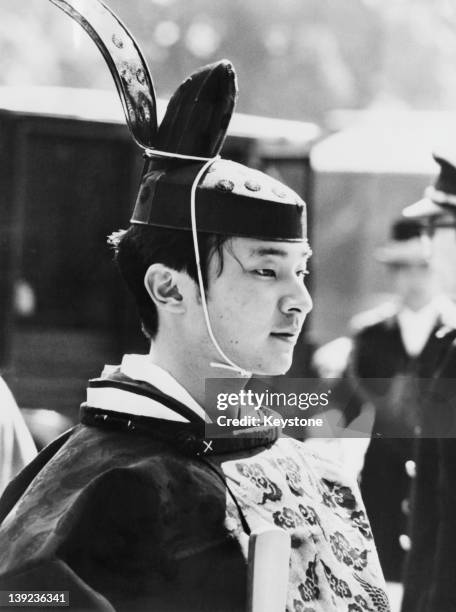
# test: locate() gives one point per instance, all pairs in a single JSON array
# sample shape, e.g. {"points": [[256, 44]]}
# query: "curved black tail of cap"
{"points": [[125, 61], [199, 112]]}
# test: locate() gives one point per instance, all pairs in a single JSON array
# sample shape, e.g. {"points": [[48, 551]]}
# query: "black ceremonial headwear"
{"points": [[182, 165]]}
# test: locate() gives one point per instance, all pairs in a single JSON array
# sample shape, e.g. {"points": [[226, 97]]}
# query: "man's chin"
{"points": [[276, 364], [277, 367]]}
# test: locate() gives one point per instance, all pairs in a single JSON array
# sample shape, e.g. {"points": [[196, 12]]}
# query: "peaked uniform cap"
{"points": [[440, 198], [229, 198]]}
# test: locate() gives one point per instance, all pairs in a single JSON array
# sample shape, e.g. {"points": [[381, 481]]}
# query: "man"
{"points": [[136, 509], [392, 345], [430, 584]]}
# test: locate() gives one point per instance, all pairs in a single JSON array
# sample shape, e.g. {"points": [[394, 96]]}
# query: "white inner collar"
{"points": [[416, 326], [139, 367]]}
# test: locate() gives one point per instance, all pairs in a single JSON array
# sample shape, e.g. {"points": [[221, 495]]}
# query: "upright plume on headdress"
{"points": [[231, 198]]}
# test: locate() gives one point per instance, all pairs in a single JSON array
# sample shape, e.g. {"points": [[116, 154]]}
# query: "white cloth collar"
{"points": [[416, 325], [139, 367]]}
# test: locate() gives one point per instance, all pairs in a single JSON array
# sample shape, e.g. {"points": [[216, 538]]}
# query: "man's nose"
{"points": [[297, 299]]}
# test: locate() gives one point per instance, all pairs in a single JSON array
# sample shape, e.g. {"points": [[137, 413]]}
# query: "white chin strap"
{"points": [[228, 365]]}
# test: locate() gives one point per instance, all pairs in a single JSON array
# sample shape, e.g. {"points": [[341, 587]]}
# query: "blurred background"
{"points": [[349, 100], [296, 59]]}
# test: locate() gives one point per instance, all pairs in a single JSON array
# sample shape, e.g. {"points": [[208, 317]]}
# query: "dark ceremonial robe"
{"points": [[127, 512], [393, 381]]}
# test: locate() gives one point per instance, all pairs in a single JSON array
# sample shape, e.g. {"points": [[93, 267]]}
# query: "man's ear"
{"points": [[162, 284]]}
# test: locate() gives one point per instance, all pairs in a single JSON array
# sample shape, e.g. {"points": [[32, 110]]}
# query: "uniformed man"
{"points": [[393, 345], [136, 509], [430, 580]]}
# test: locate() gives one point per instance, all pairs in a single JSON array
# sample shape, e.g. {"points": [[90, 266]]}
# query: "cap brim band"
{"points": [[221, 213]]}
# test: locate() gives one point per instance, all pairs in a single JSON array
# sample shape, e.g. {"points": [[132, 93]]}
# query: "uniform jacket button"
{"points": [[405, 542], [405, 506], [410, 468]]}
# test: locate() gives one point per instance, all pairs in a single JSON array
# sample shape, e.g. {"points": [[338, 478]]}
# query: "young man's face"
{"points": [[258, 303]]}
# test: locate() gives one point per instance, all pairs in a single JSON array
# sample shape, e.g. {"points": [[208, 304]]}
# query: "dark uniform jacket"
{"points": [[395, 383], [129, 513], [430, 577]]}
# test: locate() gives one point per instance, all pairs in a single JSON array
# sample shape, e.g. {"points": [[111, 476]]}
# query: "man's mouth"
{"points": [[286, 336]]}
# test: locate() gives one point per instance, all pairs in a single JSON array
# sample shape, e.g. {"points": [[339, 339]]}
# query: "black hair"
{"points": [[140, 246]]}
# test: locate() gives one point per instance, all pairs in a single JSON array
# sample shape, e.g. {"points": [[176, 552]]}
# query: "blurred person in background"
{"points": [[17, 448], [381, 366], [394, 346], [430, 580]]}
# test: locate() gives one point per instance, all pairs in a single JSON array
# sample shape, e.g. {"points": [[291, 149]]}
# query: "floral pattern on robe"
{"points": [[334, 565]]}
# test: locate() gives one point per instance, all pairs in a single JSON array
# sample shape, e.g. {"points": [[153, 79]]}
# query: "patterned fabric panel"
{"points": [[334, 565]]}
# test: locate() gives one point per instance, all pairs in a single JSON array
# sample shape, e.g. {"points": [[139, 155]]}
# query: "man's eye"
{"points": [[265, 272]]}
